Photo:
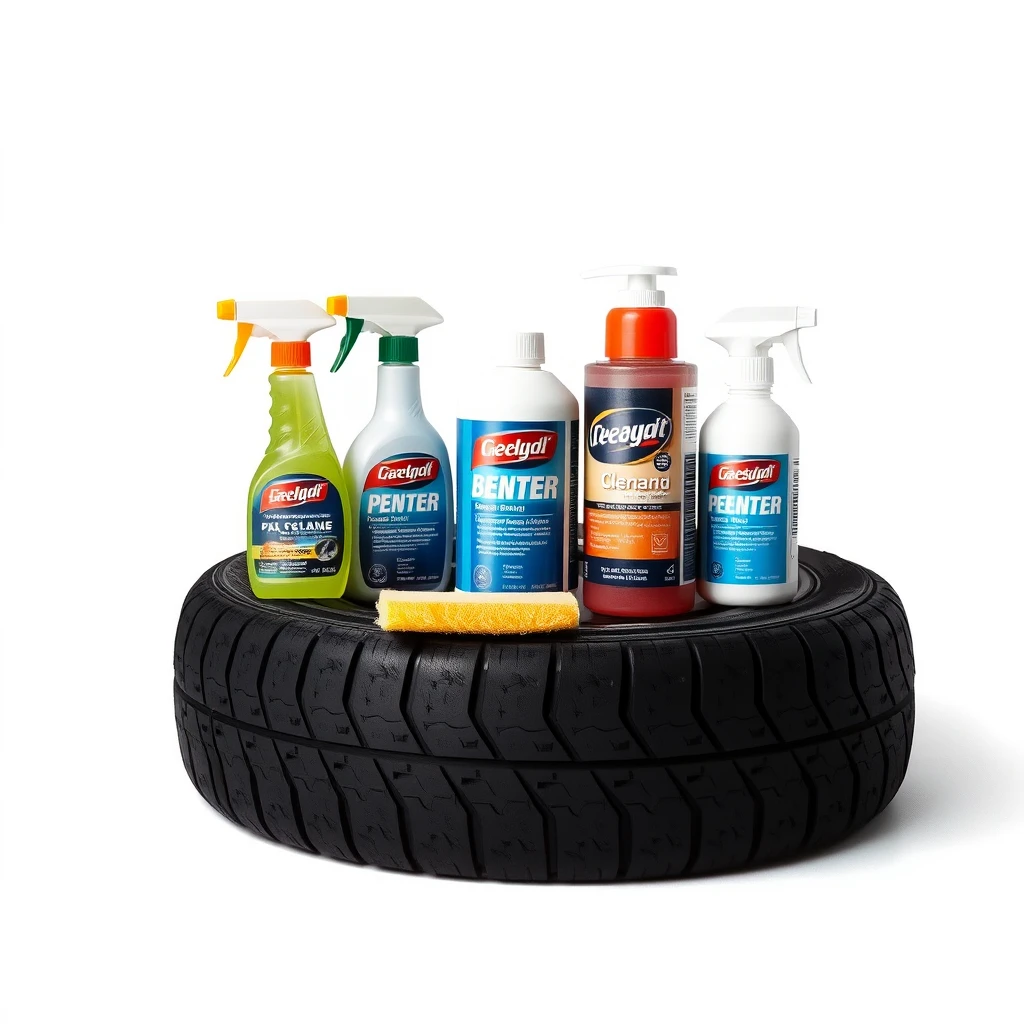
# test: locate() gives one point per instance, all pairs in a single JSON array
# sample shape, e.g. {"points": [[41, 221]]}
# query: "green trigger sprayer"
{"points": [[396, 319], [396, 473]]}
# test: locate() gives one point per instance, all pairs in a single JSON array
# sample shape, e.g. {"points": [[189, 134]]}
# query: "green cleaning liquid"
{"points": [[299, 510], [299, 518]]}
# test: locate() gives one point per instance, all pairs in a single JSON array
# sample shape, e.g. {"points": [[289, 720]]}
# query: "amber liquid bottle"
{"points": [[640, 461]]}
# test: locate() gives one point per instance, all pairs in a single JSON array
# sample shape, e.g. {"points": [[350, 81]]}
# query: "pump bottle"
{"points": [[298, 514], [396, 472], [750, 466], [640, 421]]}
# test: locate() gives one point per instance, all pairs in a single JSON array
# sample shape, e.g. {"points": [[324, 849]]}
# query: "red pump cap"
{"points": [[647, 332], [641, 327]]}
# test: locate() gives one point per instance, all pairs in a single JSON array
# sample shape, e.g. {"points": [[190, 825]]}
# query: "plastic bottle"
{"points": [[298, 514], [518, 449], [640, 417], [396, 472], [750, 466]]}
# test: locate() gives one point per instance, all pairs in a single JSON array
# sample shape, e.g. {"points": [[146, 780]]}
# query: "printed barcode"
{"points": [[796, 494], [689, 518]]}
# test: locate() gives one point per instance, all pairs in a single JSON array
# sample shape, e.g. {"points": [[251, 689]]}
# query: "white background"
{"points": [[862, 158]]}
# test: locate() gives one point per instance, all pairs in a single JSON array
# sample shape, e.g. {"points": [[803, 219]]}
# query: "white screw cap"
{"points": [[528, 349]]}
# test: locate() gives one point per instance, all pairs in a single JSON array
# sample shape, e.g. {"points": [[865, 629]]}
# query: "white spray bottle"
{"points": [[396, 472], [749, 468]]}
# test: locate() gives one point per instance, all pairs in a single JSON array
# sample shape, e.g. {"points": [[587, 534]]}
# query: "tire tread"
{"points": [[552, 761]]}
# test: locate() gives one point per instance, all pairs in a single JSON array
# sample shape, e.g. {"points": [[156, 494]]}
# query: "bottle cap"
{"points": [[750, 371], [398, 348], [289, 353], [527, 349]]}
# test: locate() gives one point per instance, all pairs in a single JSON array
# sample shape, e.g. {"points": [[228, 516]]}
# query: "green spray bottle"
{"points": [[298, 513]]}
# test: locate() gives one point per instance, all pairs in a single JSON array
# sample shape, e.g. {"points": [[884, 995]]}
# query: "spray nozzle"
{"points": [[641, 283], [397, 319], [748, 334], [283, 322]]}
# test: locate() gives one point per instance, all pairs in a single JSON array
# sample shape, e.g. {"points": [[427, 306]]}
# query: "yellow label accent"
{"points": [[244, 334], [337, 305], [226, 309], [281, 550]]}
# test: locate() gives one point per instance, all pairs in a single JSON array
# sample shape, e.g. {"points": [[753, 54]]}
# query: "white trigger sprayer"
{"points": [[748, 335]]}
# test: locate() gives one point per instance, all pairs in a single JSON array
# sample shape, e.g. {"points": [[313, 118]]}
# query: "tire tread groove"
{"points": [[403, 816], [473, 826]]}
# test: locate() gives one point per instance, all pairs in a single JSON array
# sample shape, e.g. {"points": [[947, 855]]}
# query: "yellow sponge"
{"points": [[429, 612]]}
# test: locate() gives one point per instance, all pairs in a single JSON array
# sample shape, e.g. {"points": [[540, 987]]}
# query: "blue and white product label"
{"points": [[402, 523], [747, 524], [512, 493], [298, 529], [574, 505]]}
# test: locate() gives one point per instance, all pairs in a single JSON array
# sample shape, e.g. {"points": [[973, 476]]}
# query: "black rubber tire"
{"points": [[620, 750]]}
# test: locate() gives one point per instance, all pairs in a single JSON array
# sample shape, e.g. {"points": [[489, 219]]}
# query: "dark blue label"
{"points": [[745, 525], [512, 498], [403, 519], [298, 529], [640, 487]]}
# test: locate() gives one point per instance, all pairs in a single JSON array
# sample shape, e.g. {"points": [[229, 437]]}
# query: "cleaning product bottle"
{"points": [[639, 484], [750, 465], [517, 452], [298, 514], [396, 472]]}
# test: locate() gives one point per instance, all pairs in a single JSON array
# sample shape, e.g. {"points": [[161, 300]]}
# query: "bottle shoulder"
{"points": [[386, 438], [291, 382], [301, 463], [298, 429], [750, 427], [640, 373], [518, 393]]}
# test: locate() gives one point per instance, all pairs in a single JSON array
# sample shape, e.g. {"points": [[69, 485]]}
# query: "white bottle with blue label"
{"points": [[516, 466], [749, 466], [396, 472]]}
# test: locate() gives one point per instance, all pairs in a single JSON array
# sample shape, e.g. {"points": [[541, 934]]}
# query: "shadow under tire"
{"points": [[722, 740]]}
